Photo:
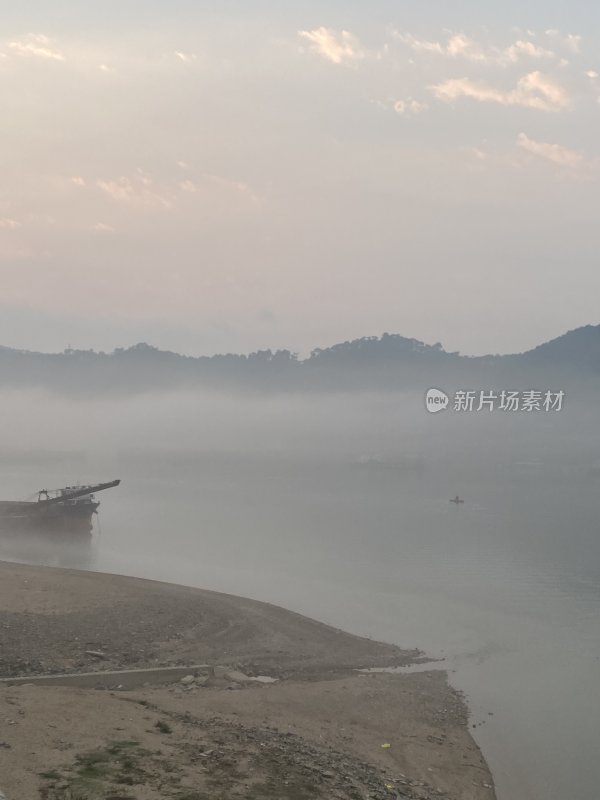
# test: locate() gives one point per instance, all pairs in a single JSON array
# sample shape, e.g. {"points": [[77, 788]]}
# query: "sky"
{"points": [[223, 177]]}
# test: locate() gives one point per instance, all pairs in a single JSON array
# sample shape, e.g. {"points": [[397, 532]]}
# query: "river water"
{"points": [[505, 588]]}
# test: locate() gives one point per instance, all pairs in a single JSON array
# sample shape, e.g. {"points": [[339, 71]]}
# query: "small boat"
{"points": [[456, 500], [67, 510]]}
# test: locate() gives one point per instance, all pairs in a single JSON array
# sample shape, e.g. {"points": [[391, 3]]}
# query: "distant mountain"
{"points": [[388, 362], [580, 348]]}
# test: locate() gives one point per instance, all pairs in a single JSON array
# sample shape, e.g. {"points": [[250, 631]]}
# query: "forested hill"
{"points": [[390, 362]]}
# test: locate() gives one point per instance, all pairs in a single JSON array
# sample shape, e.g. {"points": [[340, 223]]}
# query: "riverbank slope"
{"points": [[319, 730]]}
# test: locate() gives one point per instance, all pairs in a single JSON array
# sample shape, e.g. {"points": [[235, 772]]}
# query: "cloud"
{"points": [[8, 224], [539, 91], [525, 49], [101, 227], [240, 188], [480, 155], [592, 74], [337, 47], [409, 106], [145, 178], [121, 189], [36, 45], [534, 90], [136, 191], [187, 58], [78, 180], [571, 41], [141, 191], [555, 153], [460, 46], [420, 45]]}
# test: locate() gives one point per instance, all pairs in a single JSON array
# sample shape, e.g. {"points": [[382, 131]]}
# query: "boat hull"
{"points": [[68, 519]]}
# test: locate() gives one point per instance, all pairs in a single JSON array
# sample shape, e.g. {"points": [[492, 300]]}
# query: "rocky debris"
{"points": [[96, 654], [190, 682], [233, 675], [220, 759], [222, 677], [291, 761], [453, 713]]}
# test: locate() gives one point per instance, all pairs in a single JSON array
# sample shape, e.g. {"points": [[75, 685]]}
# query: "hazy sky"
{"points": [[233, 175]]}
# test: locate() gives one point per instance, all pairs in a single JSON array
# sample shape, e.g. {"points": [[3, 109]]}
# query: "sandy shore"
{"points": [[318, 731]]}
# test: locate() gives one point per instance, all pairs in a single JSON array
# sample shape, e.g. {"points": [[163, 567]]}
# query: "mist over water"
{"points": [[337, 506]]}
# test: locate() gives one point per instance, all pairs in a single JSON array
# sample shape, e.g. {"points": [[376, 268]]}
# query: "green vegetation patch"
{"points": [[97, 774]]}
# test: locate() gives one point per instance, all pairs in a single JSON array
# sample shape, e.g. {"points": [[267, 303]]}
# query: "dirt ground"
{"points": [[322, 730]]}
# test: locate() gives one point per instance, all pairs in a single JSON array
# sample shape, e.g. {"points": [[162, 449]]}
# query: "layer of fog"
{"points": [[386, 426]]}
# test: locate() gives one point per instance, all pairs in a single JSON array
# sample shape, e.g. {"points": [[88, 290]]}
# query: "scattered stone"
{"points": [[235, 676], [187, 680], [95, 654]]}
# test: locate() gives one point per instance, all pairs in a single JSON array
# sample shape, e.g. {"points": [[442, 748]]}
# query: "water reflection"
{"points": [[52, 549]]}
